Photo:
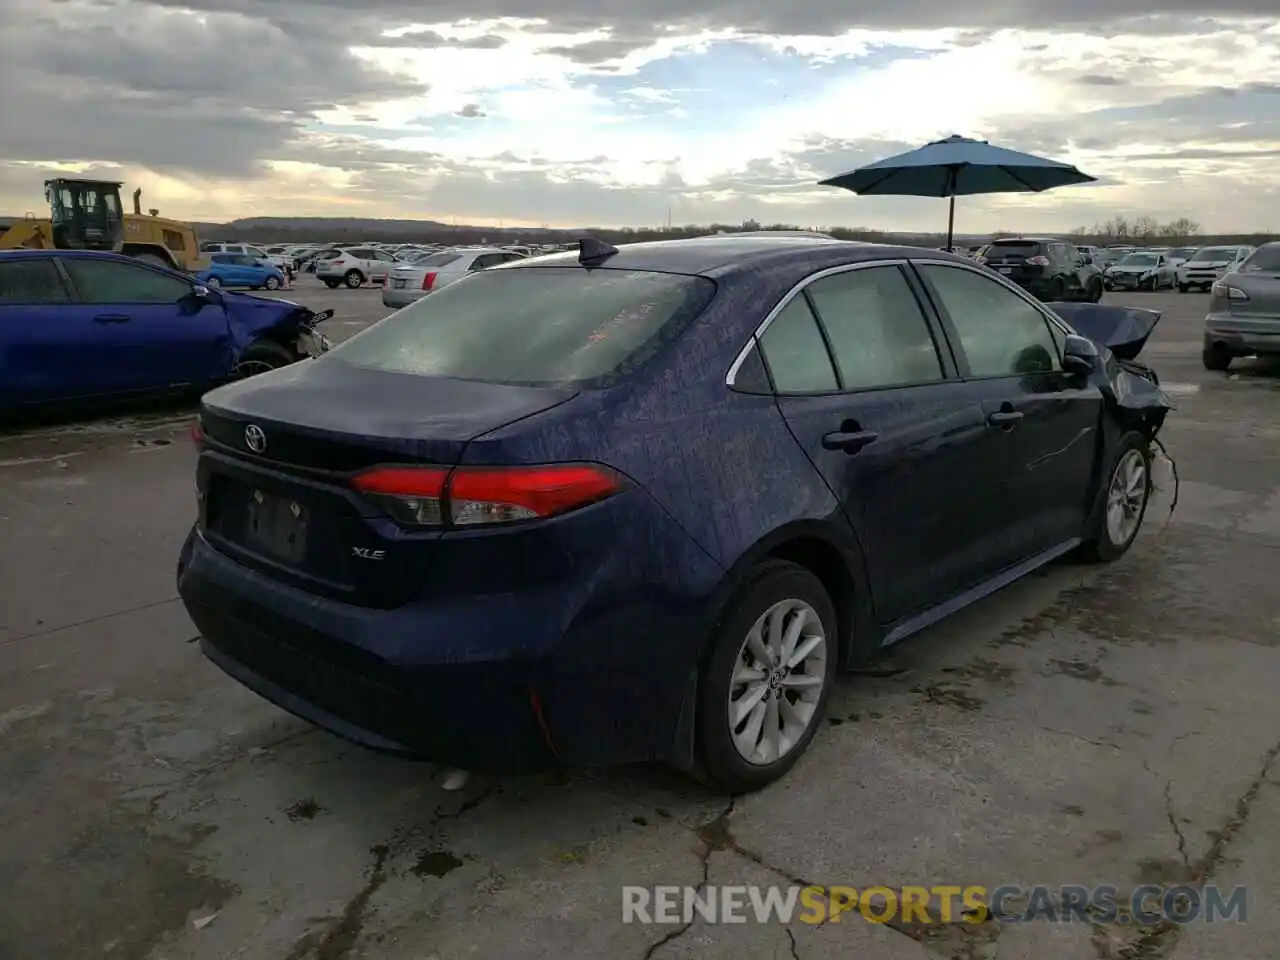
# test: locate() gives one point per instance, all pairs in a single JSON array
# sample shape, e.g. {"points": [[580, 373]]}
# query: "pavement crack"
{"points": [[1231, 827], [339, 940], [714, 835], [47, 631], [1172, 817], [795, 949]]}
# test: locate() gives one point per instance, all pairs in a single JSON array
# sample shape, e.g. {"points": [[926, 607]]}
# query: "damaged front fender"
{"points": [[1130, 388], [290, 324]]}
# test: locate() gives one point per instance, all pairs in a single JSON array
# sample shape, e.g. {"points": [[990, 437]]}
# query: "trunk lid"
{"points": [[1262, 287], [1122, 330], [279, 451]]}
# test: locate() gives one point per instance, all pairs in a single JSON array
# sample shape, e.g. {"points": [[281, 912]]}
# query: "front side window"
{"points": [[533, 326], [1002, 335], [795, 352], [877, 330], [112, 281]]}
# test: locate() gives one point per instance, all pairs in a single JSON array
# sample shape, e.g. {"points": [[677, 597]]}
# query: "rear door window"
{"points": [[31, 283], [877, 330], [533, 326], [796, 353]]}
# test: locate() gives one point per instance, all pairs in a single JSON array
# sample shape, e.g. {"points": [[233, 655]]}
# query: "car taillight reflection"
{"points": [[1037, 261]]}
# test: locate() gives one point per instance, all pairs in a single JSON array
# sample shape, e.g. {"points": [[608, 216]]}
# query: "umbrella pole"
{"points": [[951, 224]]}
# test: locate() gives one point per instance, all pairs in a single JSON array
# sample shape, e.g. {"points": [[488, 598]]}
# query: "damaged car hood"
{"points": [[1120, 333]]}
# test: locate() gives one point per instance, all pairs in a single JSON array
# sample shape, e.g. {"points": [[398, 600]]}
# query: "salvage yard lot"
{"points": [[1114, 725]]}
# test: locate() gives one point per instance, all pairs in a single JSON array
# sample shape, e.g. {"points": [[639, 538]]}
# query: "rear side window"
{"points": [[31, 283], [877, 330], [437, 259], [1263, 260], [796, 353], [116, 281], [540, 326]]}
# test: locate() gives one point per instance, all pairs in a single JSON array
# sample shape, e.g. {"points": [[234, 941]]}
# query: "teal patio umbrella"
{"points": [[958, 167]]}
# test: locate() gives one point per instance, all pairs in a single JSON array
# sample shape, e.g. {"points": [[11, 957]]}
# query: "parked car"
{"points": [[411, 281], [80, 325], [241, 270], [1244, 311], [1209, 264], [1143, 270], [355, 267], [1048, 269], [642, 503], [247, 249], [1180, 255]]}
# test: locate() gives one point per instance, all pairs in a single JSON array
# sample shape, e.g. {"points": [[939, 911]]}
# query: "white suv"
{"points": [[355, 266], [1209, 264], [414, 280]]}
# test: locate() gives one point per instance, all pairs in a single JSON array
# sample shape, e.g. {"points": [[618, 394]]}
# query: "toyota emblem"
{"points": [[254, 438]]}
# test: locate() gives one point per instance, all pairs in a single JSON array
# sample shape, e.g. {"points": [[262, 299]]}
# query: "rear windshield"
{"points": [[534, 326], [1182, 253], [1139, 260], [1014, 248], [436, 259], [1216, 253], [1263, 260]]}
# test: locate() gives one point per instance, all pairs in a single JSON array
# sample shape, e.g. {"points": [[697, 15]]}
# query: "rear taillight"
{"points": [[472, 496], [1228, 291], [428, 281], [1037, 261]]}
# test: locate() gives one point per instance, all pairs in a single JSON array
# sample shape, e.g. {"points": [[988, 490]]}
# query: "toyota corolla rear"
{"points": [[417, 540]]}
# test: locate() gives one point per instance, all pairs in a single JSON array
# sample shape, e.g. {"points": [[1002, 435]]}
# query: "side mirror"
{"points": [[201, 292], [1079, 354]]}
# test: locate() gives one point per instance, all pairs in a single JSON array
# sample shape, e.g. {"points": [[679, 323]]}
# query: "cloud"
{"points": [[614, 112]]}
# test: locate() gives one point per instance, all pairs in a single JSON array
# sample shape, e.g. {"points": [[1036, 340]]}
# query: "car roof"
{"points": [[731, 253], [1028, 240], [26, 252]]}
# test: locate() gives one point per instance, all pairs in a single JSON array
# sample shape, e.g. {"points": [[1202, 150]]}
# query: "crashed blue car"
{"points": [[78, 325]]}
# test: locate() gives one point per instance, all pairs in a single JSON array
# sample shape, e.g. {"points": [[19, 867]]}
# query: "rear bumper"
{"points": [[392, 297], [1242, 338], [509, 682]]}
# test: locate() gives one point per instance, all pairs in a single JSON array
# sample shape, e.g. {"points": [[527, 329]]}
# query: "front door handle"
{"points": [[850, 441], [111, 318]]}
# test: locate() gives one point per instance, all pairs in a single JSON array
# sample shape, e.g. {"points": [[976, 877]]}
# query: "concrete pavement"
{"points": [[1113, 725]]}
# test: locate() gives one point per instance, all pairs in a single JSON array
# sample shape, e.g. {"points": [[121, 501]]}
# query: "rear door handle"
{"points": [[850, 441], [1006, 419], [111, 318]]}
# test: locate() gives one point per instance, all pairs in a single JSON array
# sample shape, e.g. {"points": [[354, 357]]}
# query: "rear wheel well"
{"points": [[825, 562]]}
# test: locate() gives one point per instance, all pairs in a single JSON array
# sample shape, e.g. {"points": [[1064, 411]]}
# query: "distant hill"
{"points": [[362, 228]]}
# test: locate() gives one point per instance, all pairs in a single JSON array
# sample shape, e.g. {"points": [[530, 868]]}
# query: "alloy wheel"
{"points": [[1126, 497], [778, 680]]}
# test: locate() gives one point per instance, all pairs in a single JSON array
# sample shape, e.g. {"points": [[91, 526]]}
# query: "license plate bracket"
{"points": [[277, 526], [398, 284]]}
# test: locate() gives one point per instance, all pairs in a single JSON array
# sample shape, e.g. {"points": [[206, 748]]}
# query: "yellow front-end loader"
{"points": [[87, 215]]}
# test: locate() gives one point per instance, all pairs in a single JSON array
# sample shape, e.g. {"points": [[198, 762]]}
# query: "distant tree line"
{"points": [[1119, 229]]}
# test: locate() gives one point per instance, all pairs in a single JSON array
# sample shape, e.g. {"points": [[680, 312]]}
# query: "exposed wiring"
{"points": [[1173, 467]]}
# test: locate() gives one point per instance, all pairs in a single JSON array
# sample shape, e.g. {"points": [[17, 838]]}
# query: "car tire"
{"points": [[262, 356], [353, 279], [787, 591], [271, 283], [331, 284], [1094, 292], [1057, 290], [1216, 357], [154, 259], [1183, 288], [1122, 502]]}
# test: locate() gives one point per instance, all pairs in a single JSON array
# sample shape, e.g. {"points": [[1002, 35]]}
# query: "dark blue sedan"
{"points": [[636, 504], [80, 325]]}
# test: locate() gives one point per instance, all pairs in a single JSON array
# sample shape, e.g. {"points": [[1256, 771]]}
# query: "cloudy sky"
{"points": [[612, 112]]}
